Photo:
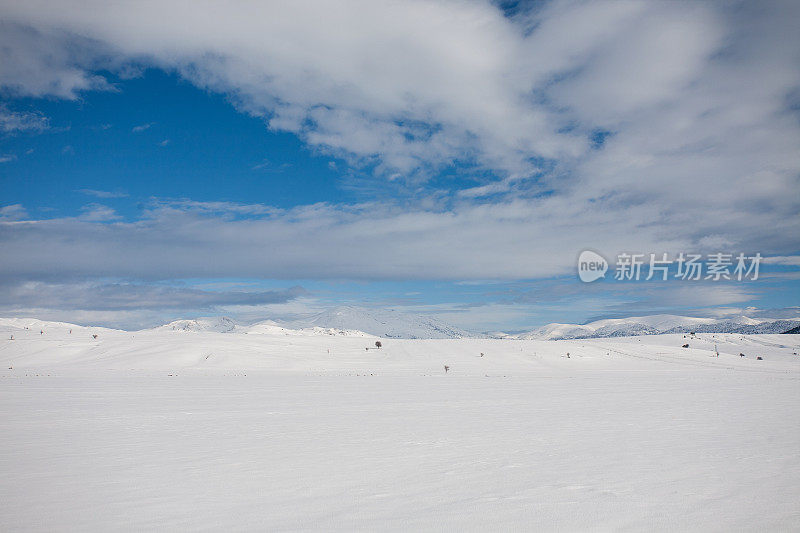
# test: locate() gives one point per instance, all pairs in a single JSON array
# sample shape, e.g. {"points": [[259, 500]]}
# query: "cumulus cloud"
{"points": [[694, 101], [47, 60], [417, 83]]}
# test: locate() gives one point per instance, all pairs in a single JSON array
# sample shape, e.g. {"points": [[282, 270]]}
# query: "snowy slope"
{"points": [[270, 327], [156, 430], [658, 324], [273, 348]]}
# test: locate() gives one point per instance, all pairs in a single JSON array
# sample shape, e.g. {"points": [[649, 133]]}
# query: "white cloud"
{"points": [[47, 61], [17, 121], [142, 127], [139, 305], [415, 84], [791, 260], [98, 213], [696, 96], [103, 194], [515, 239], [127, 296], [13, 212]]}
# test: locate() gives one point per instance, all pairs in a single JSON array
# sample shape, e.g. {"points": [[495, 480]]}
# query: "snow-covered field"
{"points": [[177, 430]]}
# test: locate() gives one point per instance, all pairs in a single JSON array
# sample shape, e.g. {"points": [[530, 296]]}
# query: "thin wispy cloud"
{"points": [[21, 121], [98, 213], [13, 212], [791, 260], [130, 296], [103, 194], [269, 165], [142, 127]]}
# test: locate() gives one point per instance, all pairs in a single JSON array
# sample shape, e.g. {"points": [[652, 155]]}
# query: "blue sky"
{"points": [[156, 135], [262, 163]]}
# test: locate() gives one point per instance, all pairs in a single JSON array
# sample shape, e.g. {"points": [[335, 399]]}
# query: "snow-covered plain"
{"points": [[276, 430]]}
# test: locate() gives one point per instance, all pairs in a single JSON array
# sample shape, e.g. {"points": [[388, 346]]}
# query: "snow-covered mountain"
{"points": [[657, 324], [221, 324], [383, 323], [270, 327], [390, 323], [341, 321], [34, 325]]}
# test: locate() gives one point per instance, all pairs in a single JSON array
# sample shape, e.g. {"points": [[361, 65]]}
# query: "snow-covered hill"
{"points": [[270, 327], [388, 323], [220, 324], [12, 326], [658, 324], [342, 321], [282, 430]]}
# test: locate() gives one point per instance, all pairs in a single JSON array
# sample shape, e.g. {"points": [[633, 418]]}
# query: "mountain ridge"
{"points": [[393, 324], [657, 325]]}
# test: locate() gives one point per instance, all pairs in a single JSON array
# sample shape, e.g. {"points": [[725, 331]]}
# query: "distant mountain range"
{"points": [[659, 324], [267, 327], [389, 323], [350, 321]]}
